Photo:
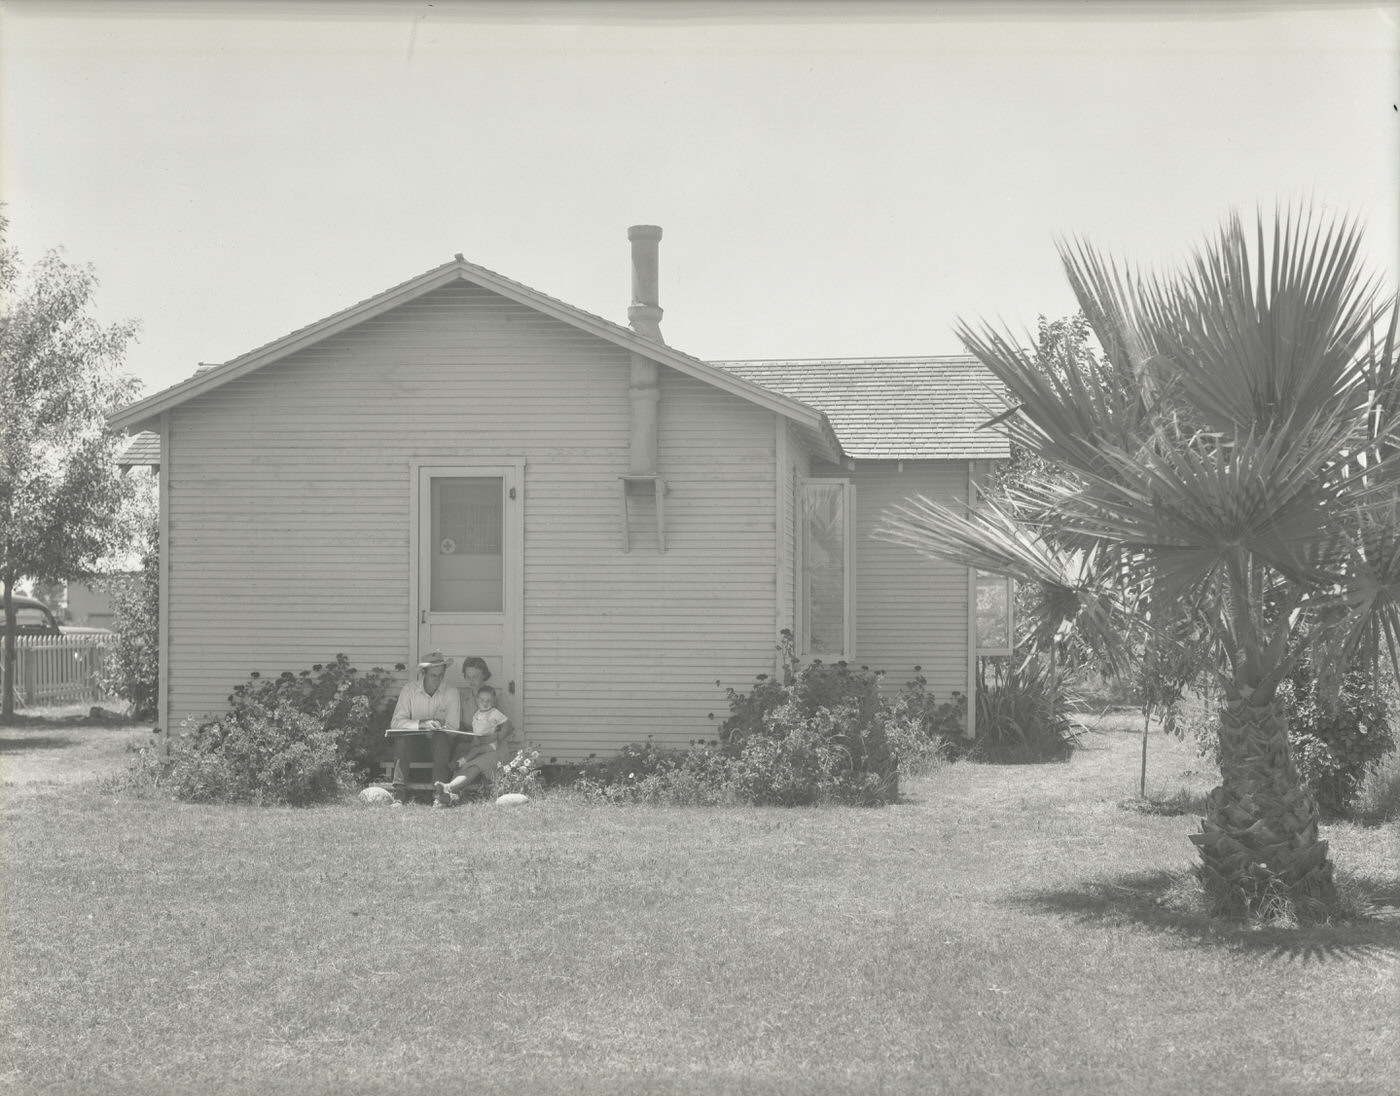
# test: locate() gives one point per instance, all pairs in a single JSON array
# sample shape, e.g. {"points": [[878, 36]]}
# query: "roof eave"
{"points": [[144, 414]]}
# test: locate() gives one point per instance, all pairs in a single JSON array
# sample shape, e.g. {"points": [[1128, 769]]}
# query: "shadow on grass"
{"points": [[37, 742], [1172, 903], [95, 717], [1182, 802]]}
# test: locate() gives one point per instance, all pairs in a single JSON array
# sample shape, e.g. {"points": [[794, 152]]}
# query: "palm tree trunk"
{"points": [[1259, 845]]}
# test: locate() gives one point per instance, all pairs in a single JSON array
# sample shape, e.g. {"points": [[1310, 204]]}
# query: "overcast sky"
{"points": [[840, 180]]}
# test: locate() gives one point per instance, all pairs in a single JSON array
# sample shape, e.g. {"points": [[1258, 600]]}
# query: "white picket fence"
{"points": [[59, 669]]}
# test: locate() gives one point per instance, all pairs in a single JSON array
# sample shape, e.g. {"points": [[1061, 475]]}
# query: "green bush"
{"points": [[355, 708], [817, 735], [132, 669], [270, 755], [1378, 799], [641, 772], [821, 756], [701, 777], [1336, 743], [1022, 712], [921, 732], [294, 739], [820, 733]]}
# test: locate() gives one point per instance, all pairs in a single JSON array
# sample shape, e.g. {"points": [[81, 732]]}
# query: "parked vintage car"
{"points": [[34, 618]]}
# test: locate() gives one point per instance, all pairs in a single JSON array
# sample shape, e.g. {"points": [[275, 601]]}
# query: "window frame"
{"points": [[801, 610], [1009, 585], [979, 472]]}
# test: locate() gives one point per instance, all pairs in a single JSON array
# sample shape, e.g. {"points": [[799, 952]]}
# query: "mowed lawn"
{"points": [[1004, 930]]}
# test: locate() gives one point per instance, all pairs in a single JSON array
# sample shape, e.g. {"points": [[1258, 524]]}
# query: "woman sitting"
{"points": [[489, 728]]}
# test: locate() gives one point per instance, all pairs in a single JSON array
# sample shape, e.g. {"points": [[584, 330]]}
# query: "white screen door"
{"points": [[468, 556]]}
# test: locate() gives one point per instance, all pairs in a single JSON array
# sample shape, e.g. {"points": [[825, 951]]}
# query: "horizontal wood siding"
{"points": [[289, 495], [910, 610], [620, 646]]}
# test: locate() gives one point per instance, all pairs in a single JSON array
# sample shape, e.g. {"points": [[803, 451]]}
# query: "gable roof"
{"points": [[894, 408], [143, 414]]}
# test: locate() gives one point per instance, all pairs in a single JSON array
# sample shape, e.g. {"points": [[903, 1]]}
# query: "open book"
{"points": [[394, 732]]}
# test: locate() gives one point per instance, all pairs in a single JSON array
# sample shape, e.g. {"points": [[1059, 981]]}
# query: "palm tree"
{"points": [[1233, 455]]}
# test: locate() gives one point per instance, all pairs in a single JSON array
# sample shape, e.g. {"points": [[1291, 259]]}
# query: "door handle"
{"points": [[422, 616], [511, 688]]}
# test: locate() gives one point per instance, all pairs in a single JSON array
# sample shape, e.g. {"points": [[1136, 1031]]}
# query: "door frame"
{"points": [[512, 472]]}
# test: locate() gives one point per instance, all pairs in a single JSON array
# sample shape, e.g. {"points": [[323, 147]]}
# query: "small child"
{"points": [[489, 725]]}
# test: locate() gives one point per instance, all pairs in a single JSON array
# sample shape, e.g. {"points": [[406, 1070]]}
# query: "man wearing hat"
{"points": [[427, 706]]}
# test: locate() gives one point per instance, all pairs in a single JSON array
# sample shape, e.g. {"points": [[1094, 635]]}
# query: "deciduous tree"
{"points": [[64, 504]]}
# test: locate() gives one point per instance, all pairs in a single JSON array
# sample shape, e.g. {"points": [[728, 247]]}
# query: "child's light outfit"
{"points": [[480, 753], [485, 723]]}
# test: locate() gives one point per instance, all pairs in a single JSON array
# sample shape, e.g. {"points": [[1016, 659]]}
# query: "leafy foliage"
{"points": [[272, 755], [1339, 739], [1022, 712], [921, 731], [355, 707], [819, 734], [296, 739], [642, 772], [521, 774], [133, 668], [1336, 741]]}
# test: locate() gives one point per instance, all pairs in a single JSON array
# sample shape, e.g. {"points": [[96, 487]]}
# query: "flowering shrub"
{"points": [[701, 777], [268, 755], [292, 739], [803, 759], [639, 772], [520, 774], [354, 707], [817, 735], [921, 731]]}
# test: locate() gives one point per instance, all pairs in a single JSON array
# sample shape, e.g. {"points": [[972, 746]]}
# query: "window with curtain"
{"points": [[994, 594], [825, 571]]}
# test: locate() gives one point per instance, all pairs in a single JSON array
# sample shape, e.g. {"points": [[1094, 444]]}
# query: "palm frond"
{"points": [[1365, 604], [1063, 419], [1108, 298], [987, 539], [1205, 505], [1073, 586], [1258, 333]]}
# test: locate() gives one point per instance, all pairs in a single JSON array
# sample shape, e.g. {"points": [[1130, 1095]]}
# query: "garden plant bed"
{"points": [[1003, 929]]}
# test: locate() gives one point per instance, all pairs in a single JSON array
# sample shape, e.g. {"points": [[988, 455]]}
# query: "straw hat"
{"points": [[436, 659]]}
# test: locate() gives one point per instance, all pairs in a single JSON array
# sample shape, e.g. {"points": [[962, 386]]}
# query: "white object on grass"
{"points": [[512, 799], [376, 797]]}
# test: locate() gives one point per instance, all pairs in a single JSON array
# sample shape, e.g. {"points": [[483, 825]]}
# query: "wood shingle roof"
{"points": [[893, 408], [142, 451]]}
